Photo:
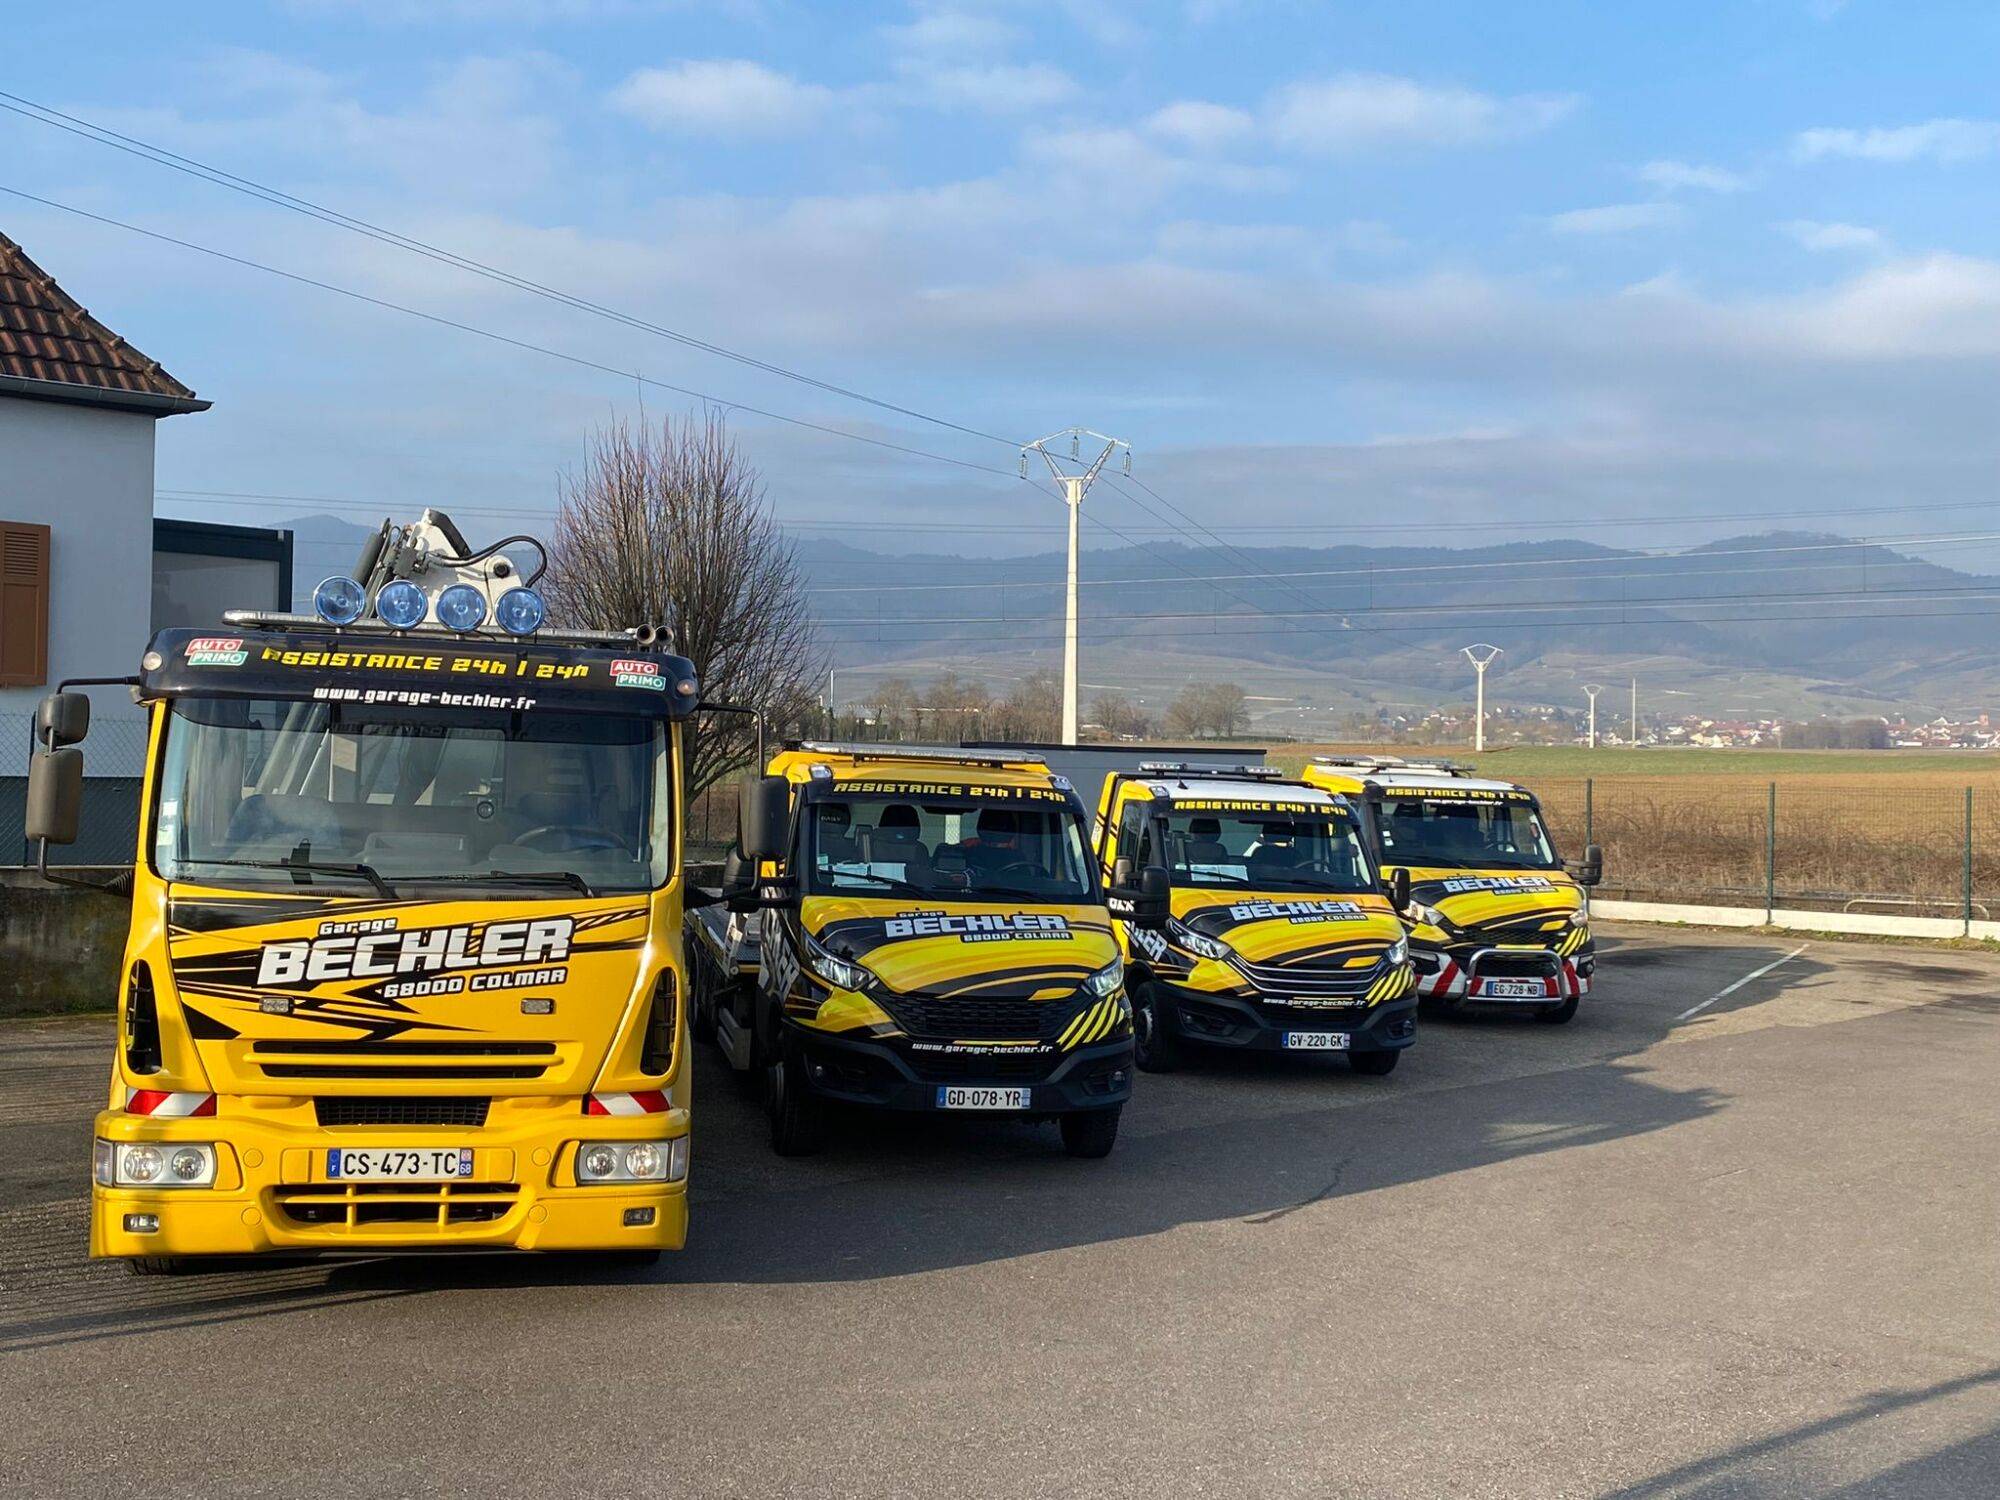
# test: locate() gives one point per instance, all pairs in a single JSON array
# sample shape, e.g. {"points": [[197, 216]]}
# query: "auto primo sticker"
{"points": [[638, 674], [216, 651]]}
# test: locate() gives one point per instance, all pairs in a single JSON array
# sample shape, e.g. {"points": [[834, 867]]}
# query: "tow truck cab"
{"points": [[404, 966], [1495, 916], [933, 938], [1280, 938]]}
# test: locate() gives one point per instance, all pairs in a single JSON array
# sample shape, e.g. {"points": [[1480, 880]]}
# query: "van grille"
{"points": [[1316, 980], [968, 1020], [358, 1205], [356, 1059], [363, 1109], [1025, 1065]]}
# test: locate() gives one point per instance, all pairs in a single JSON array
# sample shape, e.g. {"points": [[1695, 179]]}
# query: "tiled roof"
{"points": [[47, 337]]}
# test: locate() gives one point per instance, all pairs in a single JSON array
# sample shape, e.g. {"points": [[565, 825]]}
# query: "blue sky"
{"points": [[1407, 263]]}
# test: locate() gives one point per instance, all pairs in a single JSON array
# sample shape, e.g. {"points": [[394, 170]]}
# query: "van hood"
{"points": [[1007, 950], [1527, 903], [1281, 927], [296, 995]]}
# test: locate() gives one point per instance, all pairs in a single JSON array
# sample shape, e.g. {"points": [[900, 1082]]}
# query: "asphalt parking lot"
{"points": [[1749, 1251]]}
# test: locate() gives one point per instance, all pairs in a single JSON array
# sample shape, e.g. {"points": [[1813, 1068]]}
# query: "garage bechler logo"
{"points": [[1296, 911], [1461, 884], [978, 927], [378, 949]]}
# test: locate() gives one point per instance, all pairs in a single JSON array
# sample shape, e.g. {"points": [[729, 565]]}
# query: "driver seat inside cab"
{"points": [[933, 937]]}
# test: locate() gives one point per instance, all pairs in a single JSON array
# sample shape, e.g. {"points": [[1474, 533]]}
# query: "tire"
{"points": [[1089, 1134], [798, 1118], [1155, 1047], [1559, 1014], [1374, 1064], [160, 1265]]}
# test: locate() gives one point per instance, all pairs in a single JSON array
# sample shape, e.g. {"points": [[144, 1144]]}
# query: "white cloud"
{"points": [[952, 34], [994, 88], [1357, 110], [1934, 140], [1128, 165], [1668, 176], [722, 97], [1198, 124], [1615, 218], [1814, 235]]}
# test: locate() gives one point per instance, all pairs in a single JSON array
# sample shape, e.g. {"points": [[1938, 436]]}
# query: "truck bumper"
{"points": [[1257, 1026], [271, 1191], [897, 1076]]}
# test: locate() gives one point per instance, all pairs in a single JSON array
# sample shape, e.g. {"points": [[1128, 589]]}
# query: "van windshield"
{"points": [[1461, 834], [276, 791], [946, 847], [1267, 851]]}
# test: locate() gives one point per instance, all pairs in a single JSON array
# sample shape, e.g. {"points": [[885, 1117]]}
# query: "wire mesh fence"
{"points": [[1829, 844], [114, 762]]}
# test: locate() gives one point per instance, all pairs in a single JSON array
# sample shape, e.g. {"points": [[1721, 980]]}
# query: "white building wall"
{"points": [[87, 474]]}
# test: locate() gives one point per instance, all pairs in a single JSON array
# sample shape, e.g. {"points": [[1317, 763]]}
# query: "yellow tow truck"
{"points": [[1496, 917], [404, 966], [934, 938], [1281, 935]]}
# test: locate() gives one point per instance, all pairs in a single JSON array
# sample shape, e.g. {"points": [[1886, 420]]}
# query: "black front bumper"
{"points": [[1260, 1026], [899, 1074]]}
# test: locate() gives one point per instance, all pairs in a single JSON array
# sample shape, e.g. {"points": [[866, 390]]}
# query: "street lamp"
{"points": [[1481, 656]]}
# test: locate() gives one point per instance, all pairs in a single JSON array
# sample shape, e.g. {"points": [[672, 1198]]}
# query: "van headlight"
{"points": [[1578, 917], [834, 969], [1199, 944], [1398, 953], [1424, 916], [167, 1164], [1107, 979]]}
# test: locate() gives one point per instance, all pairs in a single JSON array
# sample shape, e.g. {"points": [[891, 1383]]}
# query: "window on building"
{"points": [[24, 604]]}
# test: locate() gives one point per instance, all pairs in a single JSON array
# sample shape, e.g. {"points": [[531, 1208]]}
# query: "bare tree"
{"points": [[670, 526]]}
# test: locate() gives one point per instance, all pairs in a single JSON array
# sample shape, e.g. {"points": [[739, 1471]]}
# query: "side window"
{"points": [[1131, 831]]}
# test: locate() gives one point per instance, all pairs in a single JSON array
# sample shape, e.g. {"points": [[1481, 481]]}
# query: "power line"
{"points": [[503, 338], [160, 156]]}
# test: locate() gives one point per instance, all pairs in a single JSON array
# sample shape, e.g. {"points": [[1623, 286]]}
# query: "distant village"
{"points": [[1547, 725]]}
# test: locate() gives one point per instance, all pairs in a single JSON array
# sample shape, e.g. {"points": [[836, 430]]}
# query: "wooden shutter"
{"points": [[24, 604]]}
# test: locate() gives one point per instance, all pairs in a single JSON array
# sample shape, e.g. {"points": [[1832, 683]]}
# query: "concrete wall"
{"points": [[86, 473], [60, 949]]}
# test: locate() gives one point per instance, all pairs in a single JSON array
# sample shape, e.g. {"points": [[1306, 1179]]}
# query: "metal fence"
{"points": [[1824, 844], [114, 763]]}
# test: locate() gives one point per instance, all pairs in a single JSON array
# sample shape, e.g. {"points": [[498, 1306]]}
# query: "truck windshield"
{"points": [[1266, 851], [1452, 834], [961, 848], [273, 791]]}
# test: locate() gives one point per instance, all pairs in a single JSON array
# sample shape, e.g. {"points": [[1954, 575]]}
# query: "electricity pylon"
{"points": [[1593, 689], [1074, 488], [1479, 665]]}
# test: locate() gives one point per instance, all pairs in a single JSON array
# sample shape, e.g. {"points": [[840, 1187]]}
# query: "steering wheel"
{"points": [[1027, 867], [572, 839]]}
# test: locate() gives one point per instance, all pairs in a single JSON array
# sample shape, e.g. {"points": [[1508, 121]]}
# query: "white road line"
{"points": [[1694, 1010]]}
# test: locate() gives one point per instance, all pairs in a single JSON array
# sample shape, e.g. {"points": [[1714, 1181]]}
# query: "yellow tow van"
{"points": [[933, 938], [1281, 936], [1495, 916], [404, 966]]}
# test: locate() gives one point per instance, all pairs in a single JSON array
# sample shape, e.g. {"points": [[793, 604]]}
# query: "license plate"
{"points": [[979, 1098], [1514, 989], [1316, 1041], [398, 1163]]}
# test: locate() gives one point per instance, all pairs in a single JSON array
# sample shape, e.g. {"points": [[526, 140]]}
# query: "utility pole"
{"points": [[1074, 488], [1635, 713], [1481, 656], [1593, 689], [832, 719]]}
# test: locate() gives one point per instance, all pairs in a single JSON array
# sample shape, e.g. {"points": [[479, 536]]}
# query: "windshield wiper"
{"points": [[902, 887], [505, 877], [306, 867]]}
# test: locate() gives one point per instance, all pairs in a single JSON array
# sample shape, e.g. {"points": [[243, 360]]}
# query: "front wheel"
{"points": [[1091, 1133], [160, 1265], [1155, 1047], [1556, 1015], [798, 1119], [1374, 1064]]}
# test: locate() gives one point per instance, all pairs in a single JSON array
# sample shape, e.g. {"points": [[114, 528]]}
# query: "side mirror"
{"points": [[62, 719], [763, 819], [55, 792], [1398, 885], [1143, 904], [1121, 870], [1589, 870], [739, 882]]}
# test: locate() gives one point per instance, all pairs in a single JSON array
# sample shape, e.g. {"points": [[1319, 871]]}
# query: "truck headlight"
{"points": [[1199, 944], [1107, 979], [1398, 954], [632, 1161], [175, 1164], [834, 969]]}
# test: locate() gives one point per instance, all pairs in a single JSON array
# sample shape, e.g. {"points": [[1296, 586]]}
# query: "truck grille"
{"points": [[978, 1020], [358, 1205], [412, 1109], [357, 1059], [1317, 980]]}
